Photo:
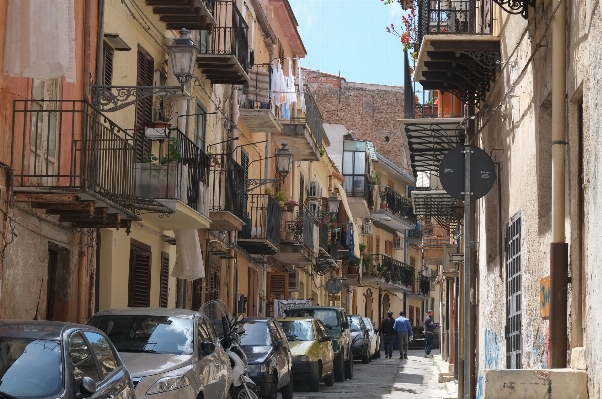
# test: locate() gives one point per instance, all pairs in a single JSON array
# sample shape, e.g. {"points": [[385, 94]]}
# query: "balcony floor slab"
{"points": [[259, 120], [224, 221], [182, 218], [300, 141], [294, 254]]}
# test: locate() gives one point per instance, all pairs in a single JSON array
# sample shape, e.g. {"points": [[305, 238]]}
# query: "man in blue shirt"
{"points": [[404, 330]]}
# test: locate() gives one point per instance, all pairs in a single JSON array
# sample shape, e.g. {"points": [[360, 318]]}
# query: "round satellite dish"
{"points": [[334, 286], [482, 172]]}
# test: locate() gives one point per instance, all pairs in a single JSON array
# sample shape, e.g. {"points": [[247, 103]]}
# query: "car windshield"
{"points": [[38, 359], [355, 324], [297, 330], [368, 324], [327, 316], [152, 334], [256, 334]]}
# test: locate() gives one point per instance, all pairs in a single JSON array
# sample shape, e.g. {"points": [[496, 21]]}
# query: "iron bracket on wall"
{"points": [[114, 98], [516, 6]]}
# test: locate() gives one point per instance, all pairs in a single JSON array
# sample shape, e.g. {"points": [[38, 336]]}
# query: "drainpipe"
{"points": [[558, 247], [87, 49], [99, 46]]}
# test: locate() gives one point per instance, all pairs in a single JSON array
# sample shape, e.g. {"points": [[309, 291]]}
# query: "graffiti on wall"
{"points": [[491, 360], [540, 349]]}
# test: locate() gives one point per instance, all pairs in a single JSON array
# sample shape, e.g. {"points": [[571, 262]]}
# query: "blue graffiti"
{"points": [[480, 388], [545, 294], [492, 350]]}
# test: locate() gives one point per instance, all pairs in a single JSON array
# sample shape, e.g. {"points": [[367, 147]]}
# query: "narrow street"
{"points": [[386, 379]]}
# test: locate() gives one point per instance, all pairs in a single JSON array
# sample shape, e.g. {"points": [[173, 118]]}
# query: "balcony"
{"points": [[437, 104], [304, 133], [225, 59], [458, 53], [71, 161], [189, 14], [226, 187], [421, 287], [414, 236], [300, 239], [361, 196], [178, 180], [257, 110], [394, 210], [261, 232], [388, 273]]}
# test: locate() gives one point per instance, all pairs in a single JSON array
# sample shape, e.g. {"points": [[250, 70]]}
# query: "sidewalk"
{"points": [[446, 378]]}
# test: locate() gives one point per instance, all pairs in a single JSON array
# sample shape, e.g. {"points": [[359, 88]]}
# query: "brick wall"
{"points": [[369, 110]]}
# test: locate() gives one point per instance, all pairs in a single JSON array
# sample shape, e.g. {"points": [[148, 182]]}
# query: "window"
{"points": [[200, 132], [144, 106], [354, 167], [82, 361], [103, 352], [513, 294], [370, 244], [164, 280], [109, 53], [44, 128], [140, 274], [378, 244], [301, 192]]}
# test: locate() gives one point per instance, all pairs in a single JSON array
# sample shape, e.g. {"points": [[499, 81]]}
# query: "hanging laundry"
{"points": [[301, 89]]}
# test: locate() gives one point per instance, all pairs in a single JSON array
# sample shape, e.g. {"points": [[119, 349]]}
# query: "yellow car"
{"points": [[313, 358]]}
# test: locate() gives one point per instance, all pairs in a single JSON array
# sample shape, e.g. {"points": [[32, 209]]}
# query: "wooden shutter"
{"points": [[164, 282], [144, 107], [108, 65], [301, 192], [140, 275], [277, 289], [378, 244]]}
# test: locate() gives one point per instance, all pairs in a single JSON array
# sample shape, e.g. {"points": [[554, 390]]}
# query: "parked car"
{"points": [[268, 355], [168, 350], [49, 359], [313, 357], [374, 338], [360, 339], [336, 322]]}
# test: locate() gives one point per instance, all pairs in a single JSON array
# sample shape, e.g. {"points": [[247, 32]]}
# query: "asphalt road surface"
{"points": [[383, 378]]}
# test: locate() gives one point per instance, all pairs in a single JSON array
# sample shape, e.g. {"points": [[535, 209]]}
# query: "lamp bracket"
{"points": [[252, 184], [114, 98]]}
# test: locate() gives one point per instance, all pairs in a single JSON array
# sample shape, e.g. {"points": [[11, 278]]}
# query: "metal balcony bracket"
{"points": [[252, 184], [516, 6], [115, 98]]}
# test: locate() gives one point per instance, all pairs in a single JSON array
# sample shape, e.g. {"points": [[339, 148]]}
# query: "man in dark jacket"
{"points": [[429, 330], [389, 335]]}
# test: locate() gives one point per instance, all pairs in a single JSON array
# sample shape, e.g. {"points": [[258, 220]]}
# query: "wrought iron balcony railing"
{"points": [[391, 270], [437, 17], [256, 94], [424, 285], [397, 204], [226, 186], [72, 145], [358, 186], [312, 118], [229, 35], [414, 233], [305, 230], [262, 219], [181, 172]]}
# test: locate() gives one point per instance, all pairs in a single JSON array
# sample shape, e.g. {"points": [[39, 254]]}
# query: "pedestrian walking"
{"points": [[403, 329], [386, 326], [429, 333]]}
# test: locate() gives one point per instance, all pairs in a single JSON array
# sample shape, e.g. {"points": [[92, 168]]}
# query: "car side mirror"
{"points": [[325, 338], [345, 325], [207, 348], [87, 387]]}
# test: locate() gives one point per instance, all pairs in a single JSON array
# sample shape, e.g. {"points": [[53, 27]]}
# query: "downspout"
{"points": [[558, 247], [87, 49], [232, 283], [99, 47]]}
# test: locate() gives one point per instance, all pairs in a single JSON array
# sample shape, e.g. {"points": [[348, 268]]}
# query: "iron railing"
{"points": [[424, 285], [229, 35], [358, 186], [393, 270], [312, 118], [437, 17], [71, 144], [436, 104], [397, 204], [256, 93], [210, 4], [226, 185], [180, 172], [305, 230], [414, 233], [262, 219]]}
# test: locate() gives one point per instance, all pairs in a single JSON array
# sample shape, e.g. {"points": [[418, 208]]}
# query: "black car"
{"points": [[49, 359], [268, 355], [360, 339]]}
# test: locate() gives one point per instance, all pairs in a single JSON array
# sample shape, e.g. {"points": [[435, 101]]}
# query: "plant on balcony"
{"points": [[291, 204], [173, 153], [408, 34], [280, 197], [157, 177], [214, 159], [383, 199], [352, 266], [368, 265], [374, 179], [363, 248]]}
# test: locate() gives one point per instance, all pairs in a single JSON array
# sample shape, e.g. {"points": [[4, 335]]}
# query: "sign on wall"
{"points": [[544, 297]]}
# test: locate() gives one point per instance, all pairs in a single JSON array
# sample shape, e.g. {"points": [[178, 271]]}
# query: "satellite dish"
{"points": [[334, 286], [482, 172]]}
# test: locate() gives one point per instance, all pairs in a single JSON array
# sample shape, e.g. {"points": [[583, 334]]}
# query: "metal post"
{"points": [[467, 333]]}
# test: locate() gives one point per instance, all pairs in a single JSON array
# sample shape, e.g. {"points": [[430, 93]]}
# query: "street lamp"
{"points": [[458, 210], [333, 203], [182, 57], [284, 160]]}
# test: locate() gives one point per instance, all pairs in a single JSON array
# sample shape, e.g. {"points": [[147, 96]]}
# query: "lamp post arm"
{"points": [[114, 98]]}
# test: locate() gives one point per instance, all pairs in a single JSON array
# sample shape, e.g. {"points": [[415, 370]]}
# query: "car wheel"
{"points": [[287, 391], [349, 368], [329, 380], [241, 393], [314, 380], [272, 394], [339, 368]]}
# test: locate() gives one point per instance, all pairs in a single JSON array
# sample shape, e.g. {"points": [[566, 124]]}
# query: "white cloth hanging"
{"points": [[301, 90], [189, 257], [40, 39]]}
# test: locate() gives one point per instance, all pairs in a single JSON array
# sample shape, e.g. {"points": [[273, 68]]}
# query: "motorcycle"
{"points": [[228, 330]]}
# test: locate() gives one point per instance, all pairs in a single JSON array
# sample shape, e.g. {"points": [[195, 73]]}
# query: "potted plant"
{"points": [[363, 248], [157, 177], [383, 198], [291, 204], [214, 159], [280, 197], [352, 266], [374, 179]]}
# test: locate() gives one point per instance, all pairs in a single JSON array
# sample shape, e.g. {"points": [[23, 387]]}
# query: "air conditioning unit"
{"points": [[314, 207], [367, 228], [293, 280], [398, 242], [315, 190]]}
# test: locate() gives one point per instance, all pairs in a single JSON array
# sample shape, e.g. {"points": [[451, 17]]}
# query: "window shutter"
{"points": [[140, 275], [277, 288], [164, 284], [108, 66], [144, 107], [301, 192]]}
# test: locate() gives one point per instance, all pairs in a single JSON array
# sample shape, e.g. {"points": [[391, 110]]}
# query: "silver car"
{"points": [[51, 359], [170, 353]]}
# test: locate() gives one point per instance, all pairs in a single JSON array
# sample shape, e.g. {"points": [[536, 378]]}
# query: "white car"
{"points": [[374, 338]]}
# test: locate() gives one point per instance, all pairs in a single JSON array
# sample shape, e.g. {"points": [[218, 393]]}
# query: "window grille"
{"points": [[513, 294]]}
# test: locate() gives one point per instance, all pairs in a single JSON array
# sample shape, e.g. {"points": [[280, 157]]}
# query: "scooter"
{"points": [[229, 334]]}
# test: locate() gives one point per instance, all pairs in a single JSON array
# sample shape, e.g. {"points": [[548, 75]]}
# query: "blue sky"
{"points": [[349, 36]]}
